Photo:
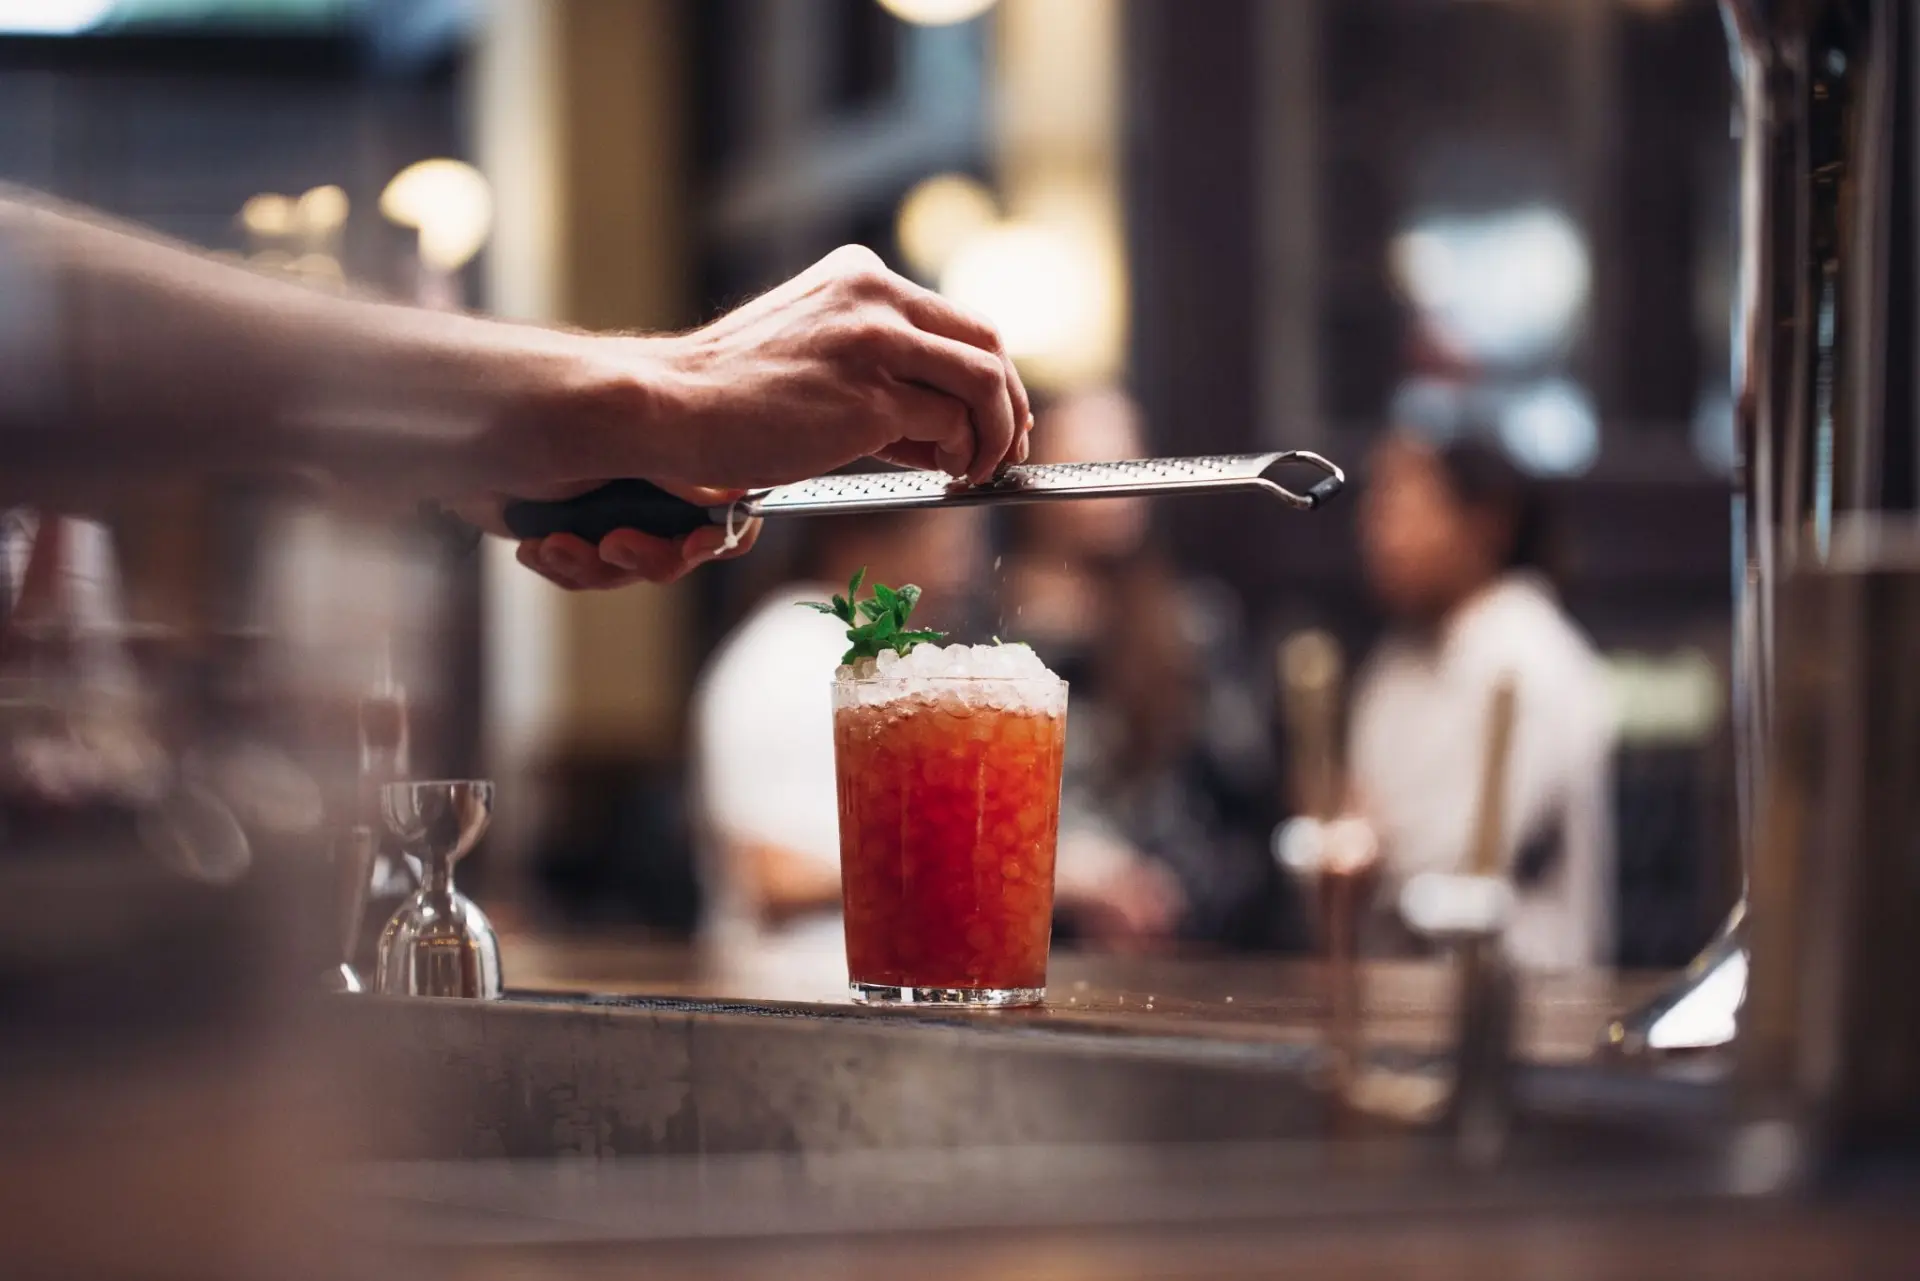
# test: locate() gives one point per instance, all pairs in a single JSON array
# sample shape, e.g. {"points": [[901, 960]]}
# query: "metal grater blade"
{"points": [[894, 490]]}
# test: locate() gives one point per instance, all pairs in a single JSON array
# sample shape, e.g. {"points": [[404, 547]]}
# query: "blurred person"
{"points": [[765, 799], [1169, 771], [1457, 546], [764, 792], [124, 357]]}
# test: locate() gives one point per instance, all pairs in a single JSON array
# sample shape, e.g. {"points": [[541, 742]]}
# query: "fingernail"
{"points": [[620, 557], [562, 559]]}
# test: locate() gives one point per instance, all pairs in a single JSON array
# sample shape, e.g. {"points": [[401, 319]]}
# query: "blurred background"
{"points": [[1240, 226]]}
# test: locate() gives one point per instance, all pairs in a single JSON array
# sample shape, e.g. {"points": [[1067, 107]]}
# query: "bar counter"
{"points": [[1250, 1000], [1161, 1116]]}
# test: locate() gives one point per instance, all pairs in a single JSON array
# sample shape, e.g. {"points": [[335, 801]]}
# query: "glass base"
{"points": [[1699, 1011], [979, 998]]}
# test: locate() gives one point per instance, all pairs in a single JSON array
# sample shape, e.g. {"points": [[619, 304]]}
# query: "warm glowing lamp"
{"points": [[449, 203], [51, 17], [936, 13], [939, 216], [267, 216], [1045, 290], [322, 211]]}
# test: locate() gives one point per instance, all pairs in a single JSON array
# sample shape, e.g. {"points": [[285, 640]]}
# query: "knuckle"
{"points": [[868, 334], [874, 285], [987, 372], [858, 263]]}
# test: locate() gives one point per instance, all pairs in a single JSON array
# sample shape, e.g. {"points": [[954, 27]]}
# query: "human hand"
{"points": [[847, 360], [625, 556]]}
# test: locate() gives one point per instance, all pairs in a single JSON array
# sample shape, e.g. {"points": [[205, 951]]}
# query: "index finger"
{"points": [[937, 315], [974, 377]]}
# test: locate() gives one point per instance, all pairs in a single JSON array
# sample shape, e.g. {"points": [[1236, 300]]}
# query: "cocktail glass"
{"points": [[949, 813]]}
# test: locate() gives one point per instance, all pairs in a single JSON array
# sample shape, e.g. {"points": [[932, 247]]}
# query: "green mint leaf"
{"points": [[818, 607], [885, 613]]}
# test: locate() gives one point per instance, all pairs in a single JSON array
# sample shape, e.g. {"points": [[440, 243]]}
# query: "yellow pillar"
{"points": [[578, 106]]}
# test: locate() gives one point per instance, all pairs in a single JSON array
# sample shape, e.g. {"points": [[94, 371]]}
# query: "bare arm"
{"points": [[783, 884], [122, 355]]}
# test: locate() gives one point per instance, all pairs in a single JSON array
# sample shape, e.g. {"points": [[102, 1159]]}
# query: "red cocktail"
{"points": [[949, 812]]}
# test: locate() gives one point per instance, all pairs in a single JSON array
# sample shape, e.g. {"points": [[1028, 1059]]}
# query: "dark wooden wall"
{"points": [[1617, 113]]}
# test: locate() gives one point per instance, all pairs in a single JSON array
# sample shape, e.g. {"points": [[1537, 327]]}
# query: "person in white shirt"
{"points": [[764, 801], [1456, 546]]}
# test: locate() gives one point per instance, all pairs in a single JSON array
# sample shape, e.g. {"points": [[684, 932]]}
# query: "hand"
{"points": [[847, 360], [1133, 910], [626, 556]]}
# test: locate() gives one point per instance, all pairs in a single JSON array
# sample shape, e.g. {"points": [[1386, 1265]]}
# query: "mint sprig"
{"points": [[878, 623]]}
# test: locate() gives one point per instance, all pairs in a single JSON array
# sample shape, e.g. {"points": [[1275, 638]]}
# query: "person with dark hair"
{"points": [[1457, 545], [1168, 787]]}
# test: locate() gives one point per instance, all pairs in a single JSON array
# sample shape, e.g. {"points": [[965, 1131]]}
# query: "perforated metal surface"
{"points": [[882, 491]]}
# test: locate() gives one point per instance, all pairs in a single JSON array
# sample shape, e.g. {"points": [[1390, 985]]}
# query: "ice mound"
{"points": [[999, 662], [999, 676]]}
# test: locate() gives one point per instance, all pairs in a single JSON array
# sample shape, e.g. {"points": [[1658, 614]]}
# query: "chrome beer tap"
{"points": [[1824, 352]]}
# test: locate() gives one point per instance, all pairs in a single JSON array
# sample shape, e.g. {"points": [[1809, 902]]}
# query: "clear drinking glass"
{"points": [[949, 813]]}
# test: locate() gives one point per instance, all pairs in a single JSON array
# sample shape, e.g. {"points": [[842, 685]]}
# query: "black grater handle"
{"points": [[618, 504]]}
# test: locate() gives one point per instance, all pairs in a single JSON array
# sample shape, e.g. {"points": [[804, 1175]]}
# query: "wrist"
{"points": [[618, 410]]}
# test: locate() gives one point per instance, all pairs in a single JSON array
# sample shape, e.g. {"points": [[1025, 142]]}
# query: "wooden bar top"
{"points": [[1733, 1243], [1406, 1004], [1221, 1209]]}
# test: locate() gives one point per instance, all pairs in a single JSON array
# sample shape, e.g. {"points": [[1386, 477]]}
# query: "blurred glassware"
{"points": [[439, 943], [1830, 1033], [152, 942], [1311, 672]]}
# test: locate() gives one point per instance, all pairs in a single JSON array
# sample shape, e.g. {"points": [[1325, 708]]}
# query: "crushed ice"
{"points": [[981, 675]]}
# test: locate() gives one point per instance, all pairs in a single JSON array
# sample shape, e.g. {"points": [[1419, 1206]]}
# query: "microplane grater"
{"points": [[890, 490], [640, 505]]}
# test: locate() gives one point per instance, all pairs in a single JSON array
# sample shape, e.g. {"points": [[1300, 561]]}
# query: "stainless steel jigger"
{"points": [[439, 943]]}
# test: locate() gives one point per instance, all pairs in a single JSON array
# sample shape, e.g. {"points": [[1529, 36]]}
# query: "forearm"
{"points": [[785, 884], [125, 356]]}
